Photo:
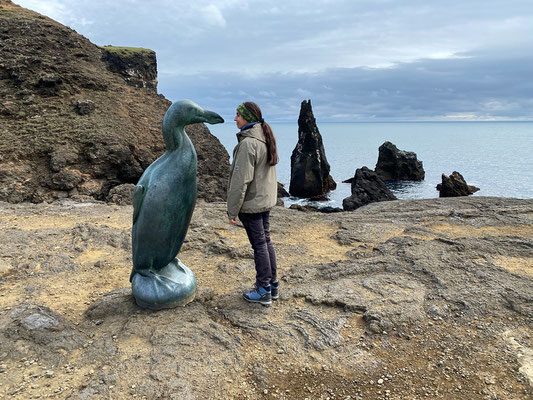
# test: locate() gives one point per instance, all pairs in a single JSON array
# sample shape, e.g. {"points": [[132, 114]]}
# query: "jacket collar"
{"points": [[255, 131], [249, 125]]}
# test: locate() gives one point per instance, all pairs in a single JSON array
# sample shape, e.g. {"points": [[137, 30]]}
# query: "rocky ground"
{"points": [[417, 299]]}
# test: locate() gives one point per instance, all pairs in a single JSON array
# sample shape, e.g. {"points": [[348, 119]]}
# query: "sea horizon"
{"points": [[492, 155]]}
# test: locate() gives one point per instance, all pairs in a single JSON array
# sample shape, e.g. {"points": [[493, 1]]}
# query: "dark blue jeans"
{"points": [[258, 230]]}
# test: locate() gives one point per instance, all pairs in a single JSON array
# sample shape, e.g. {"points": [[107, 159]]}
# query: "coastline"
{"points": [[491, 156]]}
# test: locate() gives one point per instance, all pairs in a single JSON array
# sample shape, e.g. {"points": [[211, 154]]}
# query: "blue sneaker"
{"points": [[274, 288], [258, 294]]}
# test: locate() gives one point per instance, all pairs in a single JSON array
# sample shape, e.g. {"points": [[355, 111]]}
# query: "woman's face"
{"points": [[240, 120]]}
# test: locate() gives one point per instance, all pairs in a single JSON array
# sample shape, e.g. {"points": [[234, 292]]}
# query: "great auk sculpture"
{"points": [[163, 203]]}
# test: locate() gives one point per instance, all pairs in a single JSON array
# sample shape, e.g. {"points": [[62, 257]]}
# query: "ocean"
{"points": [[494, 156]]}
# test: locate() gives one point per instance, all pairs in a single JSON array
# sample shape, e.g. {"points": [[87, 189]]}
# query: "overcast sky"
{"points": [[355, 59]]}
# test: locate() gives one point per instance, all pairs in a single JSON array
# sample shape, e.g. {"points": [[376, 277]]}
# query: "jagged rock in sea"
{"points": [[398, 165], [367, 187], [455, 186], [309, 167], [69, 127]]}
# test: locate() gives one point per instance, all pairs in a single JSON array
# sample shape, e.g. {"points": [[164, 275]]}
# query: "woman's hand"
{"points": [[233, 221]]}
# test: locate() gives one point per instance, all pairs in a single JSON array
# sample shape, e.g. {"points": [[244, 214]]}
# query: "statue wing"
{"points": [[138, 196]]}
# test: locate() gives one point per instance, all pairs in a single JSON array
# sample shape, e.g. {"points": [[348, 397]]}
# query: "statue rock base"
{"points": [[172, 286]]}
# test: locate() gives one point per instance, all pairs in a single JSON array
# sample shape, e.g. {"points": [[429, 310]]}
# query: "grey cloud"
{"points": [[226, 51], [477, 85]]}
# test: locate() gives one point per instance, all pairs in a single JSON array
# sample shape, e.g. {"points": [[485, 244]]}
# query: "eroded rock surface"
{"points": [[423, 299], [137, 66]]}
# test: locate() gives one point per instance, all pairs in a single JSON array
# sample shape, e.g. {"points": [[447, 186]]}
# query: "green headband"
{"points": [[245, 113]]}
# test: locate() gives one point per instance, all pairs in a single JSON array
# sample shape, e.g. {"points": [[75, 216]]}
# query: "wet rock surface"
{"points": [[367, 187], [399, 299], [309, 166], [398, 165], [455, 186], [70, 127]]}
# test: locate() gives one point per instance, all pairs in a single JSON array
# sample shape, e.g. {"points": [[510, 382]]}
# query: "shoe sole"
{"points": [[262, 302]]}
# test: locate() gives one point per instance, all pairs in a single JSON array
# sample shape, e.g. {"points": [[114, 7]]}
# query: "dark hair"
{"points": [[272, 152]]}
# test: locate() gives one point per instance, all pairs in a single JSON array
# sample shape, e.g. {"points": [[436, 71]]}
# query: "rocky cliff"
{"points": [[396, 300], [70, 127]]}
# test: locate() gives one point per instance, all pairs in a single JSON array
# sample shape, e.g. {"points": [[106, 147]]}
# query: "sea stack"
{"points": [[398, 165], [309, 167], [455, 186], [367, 187]]}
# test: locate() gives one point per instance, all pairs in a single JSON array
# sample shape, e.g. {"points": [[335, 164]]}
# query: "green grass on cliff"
{"points": [[125, 51]]}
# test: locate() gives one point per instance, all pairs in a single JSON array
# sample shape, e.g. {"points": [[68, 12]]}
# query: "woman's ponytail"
{"points": [[272, 151]]}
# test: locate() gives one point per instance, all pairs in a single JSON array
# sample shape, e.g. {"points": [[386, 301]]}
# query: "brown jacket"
{"points": [[252, 184]]}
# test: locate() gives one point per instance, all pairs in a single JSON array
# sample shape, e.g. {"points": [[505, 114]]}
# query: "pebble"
{"points": [[380, 381]]}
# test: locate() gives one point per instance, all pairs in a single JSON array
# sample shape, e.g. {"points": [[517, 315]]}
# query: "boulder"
{"points": [[309, 167], [36, 331], [398, 165], [76, 123], [367, 187], [455, 186], [121, 194]]}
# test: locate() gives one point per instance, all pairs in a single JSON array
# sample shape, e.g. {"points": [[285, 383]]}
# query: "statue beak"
{"points": [[212, 117]]}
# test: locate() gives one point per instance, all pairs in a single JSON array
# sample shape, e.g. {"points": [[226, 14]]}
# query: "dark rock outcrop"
{"points": [[281, 191], [307, 208], [455, 186], [398, 165], [137, 66], [70, 127], [213, 163], [367, 187], [309, 167]]}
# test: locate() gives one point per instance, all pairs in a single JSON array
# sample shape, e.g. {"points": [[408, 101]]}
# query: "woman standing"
{"points": [[252, 192]]}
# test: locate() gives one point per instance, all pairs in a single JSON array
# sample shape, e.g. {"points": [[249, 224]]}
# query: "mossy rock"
{"points": [[126, 51]]}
